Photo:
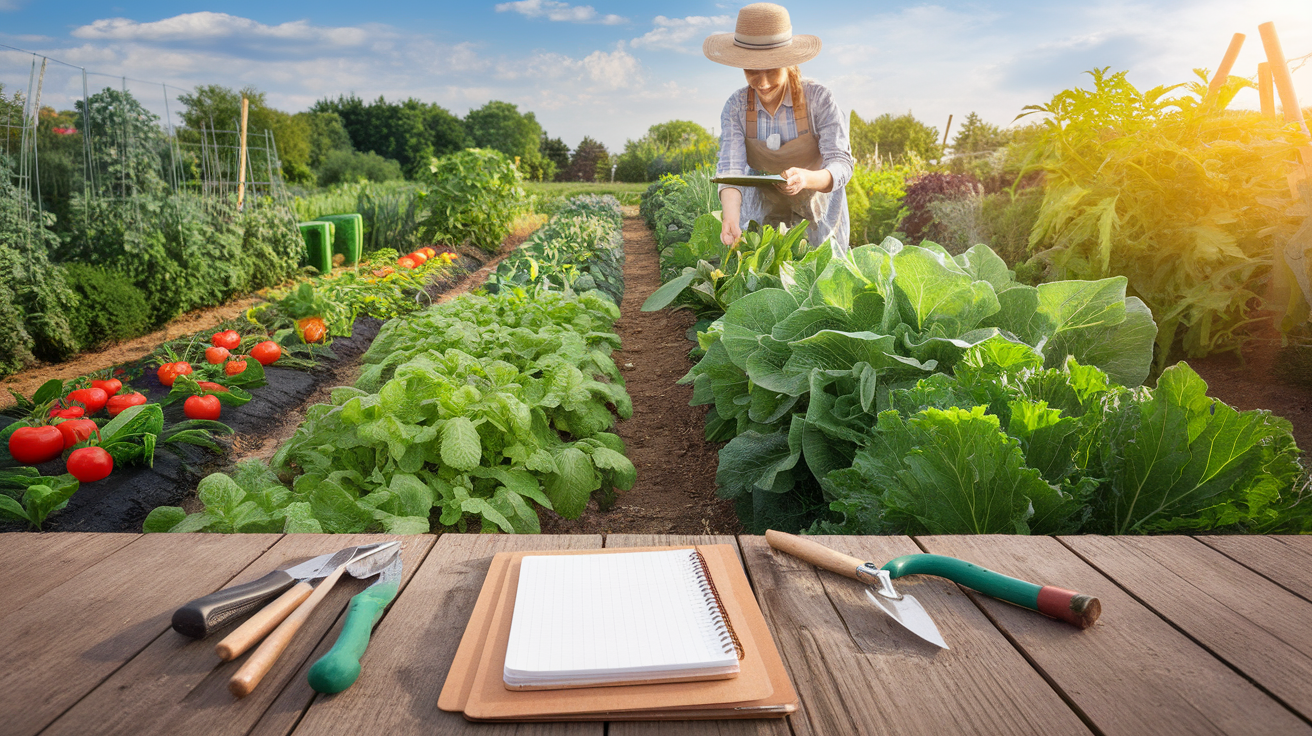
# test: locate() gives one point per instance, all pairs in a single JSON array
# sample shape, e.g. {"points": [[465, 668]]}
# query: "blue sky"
{"points": [[610, 69]]}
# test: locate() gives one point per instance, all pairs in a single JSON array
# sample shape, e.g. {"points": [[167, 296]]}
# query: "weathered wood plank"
{"points": [[412, 648], [1261, 629], [36, 563], [179, 685], [1285, 560], [857, 671], [60, 646], [1131, 673], [751, 727]]}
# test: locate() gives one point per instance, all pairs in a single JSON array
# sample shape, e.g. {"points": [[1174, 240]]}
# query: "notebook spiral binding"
{"points": [[723, 626]]}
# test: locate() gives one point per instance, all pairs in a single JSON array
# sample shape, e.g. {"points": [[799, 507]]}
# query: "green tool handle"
{"points": [[339, 668], [1067, 605]]}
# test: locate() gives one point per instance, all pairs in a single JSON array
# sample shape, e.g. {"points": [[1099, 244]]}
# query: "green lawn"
{"points": [[625, 192]]}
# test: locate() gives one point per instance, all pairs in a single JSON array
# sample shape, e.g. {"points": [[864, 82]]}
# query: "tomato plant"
{"points": [[90, 464], [266, 352], [202, 407], [216, 355], [110, 386], [76, 430], [234, 366], [228, 339], [125, 401], [36, 445], [92, 398]]}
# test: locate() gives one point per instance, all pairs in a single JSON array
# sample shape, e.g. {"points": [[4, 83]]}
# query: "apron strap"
{"points": [[799, 112], [751, 114]]}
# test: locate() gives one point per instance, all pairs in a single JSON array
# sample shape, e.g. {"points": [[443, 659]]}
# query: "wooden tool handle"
{"points": [[814, 553], [259, 663], [257, 626]]}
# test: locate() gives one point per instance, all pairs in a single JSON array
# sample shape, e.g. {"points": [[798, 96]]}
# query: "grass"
{"points": [[625, 192]]}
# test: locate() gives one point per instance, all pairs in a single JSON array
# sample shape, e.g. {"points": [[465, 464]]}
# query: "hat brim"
{"points": [[720, 48]]}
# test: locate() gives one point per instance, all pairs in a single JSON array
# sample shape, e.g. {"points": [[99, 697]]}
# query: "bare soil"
{"points": [[675, 490], [1258, 380]]}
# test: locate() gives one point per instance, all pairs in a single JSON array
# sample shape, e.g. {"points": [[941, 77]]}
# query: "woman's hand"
{"points": [[796, 180], [731, 206], [730, 232]]}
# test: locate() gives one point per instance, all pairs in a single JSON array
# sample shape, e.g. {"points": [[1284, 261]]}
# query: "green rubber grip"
{"points": [[339, 668], [984, 580]]}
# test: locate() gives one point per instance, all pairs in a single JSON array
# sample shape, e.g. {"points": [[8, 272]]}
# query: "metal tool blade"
{"points": [[904, 609], [381, 562], [324, 564], [309, 569]]}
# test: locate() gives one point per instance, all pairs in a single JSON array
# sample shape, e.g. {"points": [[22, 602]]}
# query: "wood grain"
{"points": [[1131, 668], [412, 648], [859, 672], [264, 621], [178, 685], [1285, 560], [60, 646], [1261, 629], [36, 563], [256, 666], [753, 727]]}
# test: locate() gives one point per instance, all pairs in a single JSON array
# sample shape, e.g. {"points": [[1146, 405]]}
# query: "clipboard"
{"points": [[475, 688], [749, 180]]}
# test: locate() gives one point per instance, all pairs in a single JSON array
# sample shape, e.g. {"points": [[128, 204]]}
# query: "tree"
{"points": [[213, 106], [555, 150], [678, 134], [668, 148], [893, 137], [977, 136], [588, 156], [327, 135], [410, 132], [500, 125]]}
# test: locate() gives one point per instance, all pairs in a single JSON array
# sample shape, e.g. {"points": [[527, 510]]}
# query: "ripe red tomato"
{"points": [[167, 373], [90, 464], [124, 401], [234, 366], [182, 368], [229, 339], [312, 329], [76, 430], [418, 257], [73, 412], [212, 386], [216, 355], [92, 398], [406, 262], [202, 407], [429, 251], [266, 352], [36, 445], [110, 386]]}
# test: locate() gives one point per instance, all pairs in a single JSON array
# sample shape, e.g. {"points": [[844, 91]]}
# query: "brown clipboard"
{"points": [[475, 687]]}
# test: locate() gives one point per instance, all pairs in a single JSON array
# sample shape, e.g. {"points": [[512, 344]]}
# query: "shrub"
{"points": [[874, 202], [918, 223], [113, 307], [351, 166], [474, 195]]}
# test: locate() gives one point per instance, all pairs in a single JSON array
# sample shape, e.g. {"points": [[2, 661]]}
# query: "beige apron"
{"points": [[801, 152]]}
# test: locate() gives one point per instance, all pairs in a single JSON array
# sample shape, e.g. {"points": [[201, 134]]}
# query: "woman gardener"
{"points": [[780, 124]]}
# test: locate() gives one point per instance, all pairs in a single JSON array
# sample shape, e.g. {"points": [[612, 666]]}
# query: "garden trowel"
{"points": [[1069, 606], [339, 668]]}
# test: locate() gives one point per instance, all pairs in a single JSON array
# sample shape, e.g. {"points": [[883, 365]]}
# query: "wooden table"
{"points": [[1198, 636]]}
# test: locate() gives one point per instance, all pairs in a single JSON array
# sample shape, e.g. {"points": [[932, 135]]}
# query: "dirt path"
{"points": [[675, 492]]}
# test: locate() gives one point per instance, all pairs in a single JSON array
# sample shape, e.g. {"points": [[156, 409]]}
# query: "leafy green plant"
{"points": [[672, 205], [874, 201], [581, 248], [27, 495], [119, 312], [1172, 191], [796, 374], [473, 196]]}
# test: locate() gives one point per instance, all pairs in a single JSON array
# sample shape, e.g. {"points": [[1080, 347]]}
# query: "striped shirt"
{"points": [[827, 122]]}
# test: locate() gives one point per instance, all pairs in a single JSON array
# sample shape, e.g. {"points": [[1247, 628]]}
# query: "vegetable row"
{"points": [[476, 412]]}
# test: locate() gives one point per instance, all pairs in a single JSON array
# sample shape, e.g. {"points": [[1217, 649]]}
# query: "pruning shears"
{"points": [[1074, 608]]}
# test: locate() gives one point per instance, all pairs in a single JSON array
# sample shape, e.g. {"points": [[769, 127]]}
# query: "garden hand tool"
{"points": [[203, 616], [339, 668], [258, 664], [1069, 606]]}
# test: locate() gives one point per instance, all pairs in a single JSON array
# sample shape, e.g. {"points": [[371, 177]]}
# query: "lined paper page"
{"points": [[625, 613]]}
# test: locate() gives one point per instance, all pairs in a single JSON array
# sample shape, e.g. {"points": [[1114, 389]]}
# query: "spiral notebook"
{"points": [[596, 620]]}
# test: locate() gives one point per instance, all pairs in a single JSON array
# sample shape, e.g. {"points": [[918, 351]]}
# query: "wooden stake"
{"points": [[1265, 91], [946, 128], [1284, 83], [241, 166], [1227, 61]]}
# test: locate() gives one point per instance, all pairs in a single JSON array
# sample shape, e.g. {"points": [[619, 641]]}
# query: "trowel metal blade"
{"points": [[908, 612]]}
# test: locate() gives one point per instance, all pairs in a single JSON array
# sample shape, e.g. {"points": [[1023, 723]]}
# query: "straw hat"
{"points": [[762, 39]]}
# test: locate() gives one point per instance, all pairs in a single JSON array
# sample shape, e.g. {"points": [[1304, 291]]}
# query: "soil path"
{"points": [[675, 491]]}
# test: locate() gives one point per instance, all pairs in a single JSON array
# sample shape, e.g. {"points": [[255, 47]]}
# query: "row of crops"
{"points": [[476, 412], [903, 388], [100, 428]]}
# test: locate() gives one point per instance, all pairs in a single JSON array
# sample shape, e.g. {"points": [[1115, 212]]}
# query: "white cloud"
{"points": [[10, 5], [676, 33], [553, 10], [192, 27]]}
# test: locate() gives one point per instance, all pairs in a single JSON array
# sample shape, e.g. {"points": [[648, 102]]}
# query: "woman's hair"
{"points": [[794, 79]]}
